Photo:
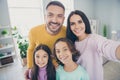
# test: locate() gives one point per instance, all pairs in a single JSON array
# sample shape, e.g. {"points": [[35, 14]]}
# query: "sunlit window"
{"points": [[25, 14]]}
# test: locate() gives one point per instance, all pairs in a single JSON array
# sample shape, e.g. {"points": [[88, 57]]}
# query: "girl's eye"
{"points": [[45, 56], [37, 56], [65, 49], [57, 51]]}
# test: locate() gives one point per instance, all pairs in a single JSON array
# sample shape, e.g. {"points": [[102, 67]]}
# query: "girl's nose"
{"points": [[41, 59]]}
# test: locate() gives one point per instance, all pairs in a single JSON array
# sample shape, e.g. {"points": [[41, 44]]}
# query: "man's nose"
{"points": [[54, 19]]}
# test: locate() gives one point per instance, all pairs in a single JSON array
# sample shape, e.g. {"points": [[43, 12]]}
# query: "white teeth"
{"points": [[77, 31], [63, 58], [54, 24]]}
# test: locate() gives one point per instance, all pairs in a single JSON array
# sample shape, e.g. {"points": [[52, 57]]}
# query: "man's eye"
{"points": [[60, 16], [50, 15]]}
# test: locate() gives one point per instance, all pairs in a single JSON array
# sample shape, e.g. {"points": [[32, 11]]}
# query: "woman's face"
{"points": [[41, 58], [77, 26]]}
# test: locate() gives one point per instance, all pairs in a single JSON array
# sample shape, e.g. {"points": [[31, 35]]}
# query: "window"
{"points": [[25, 14]]}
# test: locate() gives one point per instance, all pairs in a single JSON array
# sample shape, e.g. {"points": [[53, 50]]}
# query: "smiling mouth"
{"points": [[54, 24], [64, 58], [77, 30]]}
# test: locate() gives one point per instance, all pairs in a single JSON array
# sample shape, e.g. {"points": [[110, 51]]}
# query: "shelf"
{"points": [[5, 27], [7, 37], [7, 55], [6, 64], [7, 47], [6, 61]]}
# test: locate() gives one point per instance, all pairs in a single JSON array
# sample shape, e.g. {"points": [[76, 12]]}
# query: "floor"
{"points": [[13, 71], [16, 71], [112, 71]]}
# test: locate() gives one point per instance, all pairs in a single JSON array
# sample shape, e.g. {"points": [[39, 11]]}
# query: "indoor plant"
{"points": [[4, 32], [22, 44], [105, 31]]}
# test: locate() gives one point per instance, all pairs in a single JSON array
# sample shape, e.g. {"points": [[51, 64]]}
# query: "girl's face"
{"points": [[41, 58], [63, 52], [77, 26]]}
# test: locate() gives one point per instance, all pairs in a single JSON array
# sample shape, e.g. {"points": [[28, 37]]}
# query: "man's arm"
{"points": [[30, 50]]}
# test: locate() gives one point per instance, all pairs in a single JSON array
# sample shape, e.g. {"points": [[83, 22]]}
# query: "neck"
{"points": [[43, 68], [70, 67], [83, 37]]}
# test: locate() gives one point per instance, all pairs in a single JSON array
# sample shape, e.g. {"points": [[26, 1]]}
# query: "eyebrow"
{"points": [[62, 48]]}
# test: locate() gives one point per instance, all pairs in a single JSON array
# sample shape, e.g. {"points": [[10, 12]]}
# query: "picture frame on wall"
{"points": [[94, 25]]}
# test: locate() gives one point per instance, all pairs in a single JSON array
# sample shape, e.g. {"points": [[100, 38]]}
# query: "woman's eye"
{"points": [[79, 21], [71, 24]]}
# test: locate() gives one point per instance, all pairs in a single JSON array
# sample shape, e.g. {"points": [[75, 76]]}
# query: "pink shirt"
{"points": [[92, 49], [42, 74]]}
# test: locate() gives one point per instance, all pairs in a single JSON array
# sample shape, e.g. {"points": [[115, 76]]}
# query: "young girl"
{"points": [[91, 46], [43, 68], [67, 55]]}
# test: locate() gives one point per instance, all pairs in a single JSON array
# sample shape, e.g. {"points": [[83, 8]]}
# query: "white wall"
{"points": [[4, 15], [106, 11], [86, 6]]}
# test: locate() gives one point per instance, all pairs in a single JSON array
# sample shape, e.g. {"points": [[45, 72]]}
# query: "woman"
{"points": [[91, 46]]}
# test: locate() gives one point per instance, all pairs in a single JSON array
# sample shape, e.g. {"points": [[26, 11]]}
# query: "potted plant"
{"points": [[22, 45], [105, 31], [4, 32]]}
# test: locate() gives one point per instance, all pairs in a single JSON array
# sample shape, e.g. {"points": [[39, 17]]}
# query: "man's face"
{"points": [[54, 19]]}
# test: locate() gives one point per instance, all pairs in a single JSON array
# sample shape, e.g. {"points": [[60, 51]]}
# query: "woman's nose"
{"points": [[76, 26]]}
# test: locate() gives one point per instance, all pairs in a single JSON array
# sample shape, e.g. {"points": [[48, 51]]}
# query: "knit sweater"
{"points": [[39, 35], [92, 49]]}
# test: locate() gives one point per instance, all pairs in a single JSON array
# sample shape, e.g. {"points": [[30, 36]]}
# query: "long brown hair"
{"points": [[71, 46], [51, 73]]}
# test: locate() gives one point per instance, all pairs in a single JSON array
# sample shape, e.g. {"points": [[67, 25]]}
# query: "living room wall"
{"points": [[105, 11]]}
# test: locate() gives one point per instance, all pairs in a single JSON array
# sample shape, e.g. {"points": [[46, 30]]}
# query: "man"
{"points": [[47, 33]]}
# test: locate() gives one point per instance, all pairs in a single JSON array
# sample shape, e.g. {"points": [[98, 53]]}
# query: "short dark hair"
{"points": [[69, 34], [71, 46], [57, 3]]}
